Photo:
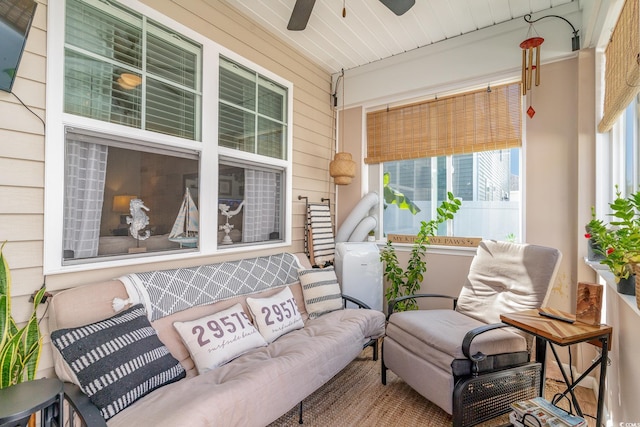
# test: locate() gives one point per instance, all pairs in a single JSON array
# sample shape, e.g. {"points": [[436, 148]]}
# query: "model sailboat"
{"points": [[185, 228]]}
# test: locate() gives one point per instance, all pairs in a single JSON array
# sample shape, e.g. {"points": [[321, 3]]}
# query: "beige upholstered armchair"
{"points": [[464, 360]]}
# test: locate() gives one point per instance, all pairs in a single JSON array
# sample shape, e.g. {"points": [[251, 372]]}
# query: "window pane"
{"points": [[100, 182], [628, 118], [104, 77], [238, 115], [250, 204], [92, 90], [236, 129], [170, 110], [237, 85], [172, 62], [271, 139], [108, 36], [487, 183], [271, 100]]}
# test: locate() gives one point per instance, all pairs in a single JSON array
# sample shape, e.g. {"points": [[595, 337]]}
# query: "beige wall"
{"points": [[558, 177], [350, 137], [22, 140]]}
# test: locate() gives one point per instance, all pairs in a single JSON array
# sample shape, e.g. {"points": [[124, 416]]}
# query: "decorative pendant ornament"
{"points": [[342, 168], [531, 112]]}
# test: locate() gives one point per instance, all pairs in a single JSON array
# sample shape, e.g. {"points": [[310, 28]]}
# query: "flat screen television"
{"points": [[15, 22]]}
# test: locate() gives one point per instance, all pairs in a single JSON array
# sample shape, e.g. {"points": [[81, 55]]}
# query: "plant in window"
{"points": [[619, 242], [407, 281], [595, 252], [19, 348]]}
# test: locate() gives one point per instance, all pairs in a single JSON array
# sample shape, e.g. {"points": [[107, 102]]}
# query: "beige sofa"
{"points": [[252, 390]]}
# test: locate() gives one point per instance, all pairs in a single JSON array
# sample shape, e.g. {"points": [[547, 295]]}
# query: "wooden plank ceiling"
{"points": [[371, 32]]}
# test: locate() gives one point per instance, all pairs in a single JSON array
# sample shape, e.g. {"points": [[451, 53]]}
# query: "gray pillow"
{"points": [[117, 360]]}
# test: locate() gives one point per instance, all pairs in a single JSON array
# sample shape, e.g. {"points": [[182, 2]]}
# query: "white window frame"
{"points": [[57, 120]]}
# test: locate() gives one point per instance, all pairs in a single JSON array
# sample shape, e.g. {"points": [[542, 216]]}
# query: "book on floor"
{"points": [[541, 412]]}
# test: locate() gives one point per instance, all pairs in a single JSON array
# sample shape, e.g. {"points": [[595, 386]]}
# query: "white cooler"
{"points": [[359, 272]]}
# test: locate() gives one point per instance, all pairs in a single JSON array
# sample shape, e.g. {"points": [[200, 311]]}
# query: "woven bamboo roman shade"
{"points": [[466, 123], [622, 70]]}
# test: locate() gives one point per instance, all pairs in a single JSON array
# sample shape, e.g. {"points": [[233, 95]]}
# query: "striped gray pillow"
{"points": [[117, 360], [321, 290]]}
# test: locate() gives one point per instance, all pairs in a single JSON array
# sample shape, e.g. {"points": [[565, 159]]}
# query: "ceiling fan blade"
{"points": [[399, 7], [300, 15]]}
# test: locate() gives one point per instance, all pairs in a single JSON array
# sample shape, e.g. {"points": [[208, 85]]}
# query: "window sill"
{"points": [[108, 263], [607, 276], [434, 249]]}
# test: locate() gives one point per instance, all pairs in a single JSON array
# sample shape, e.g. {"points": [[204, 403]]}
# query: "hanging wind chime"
{"points": [[530, 66]]}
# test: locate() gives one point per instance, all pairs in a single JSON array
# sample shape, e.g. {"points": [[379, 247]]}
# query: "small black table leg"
{"points": [[603, 372], [541, 356]]}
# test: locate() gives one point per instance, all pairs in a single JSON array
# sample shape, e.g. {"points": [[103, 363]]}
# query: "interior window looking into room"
{"points": [[487, 182], [123, 68], [127, 199], [250, 204], [253, 112]]}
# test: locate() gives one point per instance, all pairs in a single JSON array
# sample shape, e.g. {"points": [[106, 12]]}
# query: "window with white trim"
{"points": [[121, 67], [467, 144], [142, 156], [253, 125]]}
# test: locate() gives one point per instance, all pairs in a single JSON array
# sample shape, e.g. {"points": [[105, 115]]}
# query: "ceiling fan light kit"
{"points": [[303, 8]]}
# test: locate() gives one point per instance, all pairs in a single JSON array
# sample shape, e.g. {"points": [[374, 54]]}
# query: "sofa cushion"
{"points": [[261, 385], [321, 290], [218, 338], [117, 360], [276, 315]]}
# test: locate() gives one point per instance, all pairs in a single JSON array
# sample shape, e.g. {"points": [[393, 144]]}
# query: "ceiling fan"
{"points": [[302, 11]]}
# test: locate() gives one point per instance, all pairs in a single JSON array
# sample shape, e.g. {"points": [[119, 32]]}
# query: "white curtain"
{"points": [[86, 168], [261, 205]]}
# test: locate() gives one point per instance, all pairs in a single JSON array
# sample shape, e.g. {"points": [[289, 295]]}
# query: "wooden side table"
{"points": [[551, 331], [18, 402]]}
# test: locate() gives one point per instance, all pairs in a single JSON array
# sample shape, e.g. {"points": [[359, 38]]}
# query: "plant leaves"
{"points": [[394, 197]]}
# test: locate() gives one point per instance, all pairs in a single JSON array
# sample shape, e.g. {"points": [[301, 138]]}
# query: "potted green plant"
{"points": [[19, 347], [619, 241], [407, 281], [594, 251]]}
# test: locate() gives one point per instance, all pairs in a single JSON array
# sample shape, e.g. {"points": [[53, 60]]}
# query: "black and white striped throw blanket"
{"points": [[164, 292], [321, 240]]}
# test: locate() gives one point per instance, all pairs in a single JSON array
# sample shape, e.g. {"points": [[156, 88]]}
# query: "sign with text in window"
{"points": [[470, 242]]}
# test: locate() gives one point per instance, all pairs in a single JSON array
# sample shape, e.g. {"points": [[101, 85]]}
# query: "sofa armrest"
{"points": [[393, 302], [81, 406], [356, 301]]}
